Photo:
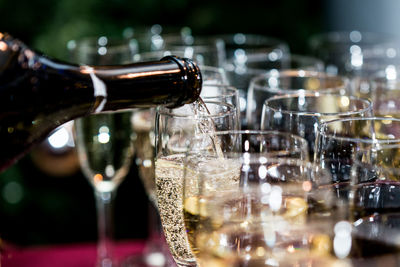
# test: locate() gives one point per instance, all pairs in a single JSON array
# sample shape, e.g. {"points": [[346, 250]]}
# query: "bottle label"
{"points": [[100, 89]]}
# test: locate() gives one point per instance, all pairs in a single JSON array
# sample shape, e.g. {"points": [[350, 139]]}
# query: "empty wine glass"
{"points": [[338, 141], [375, 200], [281, 82], [302, 113], [239, 47], [204, 50], [174, 128], [104, 140], [384, 91], [344, 52], [105, 152]]}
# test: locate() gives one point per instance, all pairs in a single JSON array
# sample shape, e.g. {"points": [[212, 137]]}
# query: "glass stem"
{"points": [[104, 205]]}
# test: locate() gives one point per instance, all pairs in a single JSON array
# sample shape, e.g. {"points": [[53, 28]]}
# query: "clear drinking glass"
{"points": [[104, 140], [344, 53], [151, 38], [219, 158], [281, 82], [375, 201], [105, 152], [250, 209], [174, 128], [239, 47], [205, 50], [338, 141], [156, 251], [301, 114], [384, 91]]}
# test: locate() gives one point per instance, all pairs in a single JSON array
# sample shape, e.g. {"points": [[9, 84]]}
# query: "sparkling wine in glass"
{"points": [[174, 129]]}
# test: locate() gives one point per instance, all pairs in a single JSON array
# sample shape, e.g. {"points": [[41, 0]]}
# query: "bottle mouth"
{"points": [[192, 81]]}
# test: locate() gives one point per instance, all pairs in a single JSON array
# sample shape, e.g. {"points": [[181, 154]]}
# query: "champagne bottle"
{"points": [[38, 93]]}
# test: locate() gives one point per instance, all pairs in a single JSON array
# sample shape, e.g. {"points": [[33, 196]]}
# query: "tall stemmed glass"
{"points": [[281, 82], [104, 140], [156, 253], [301, 114], [105, 152], [174, 128]]}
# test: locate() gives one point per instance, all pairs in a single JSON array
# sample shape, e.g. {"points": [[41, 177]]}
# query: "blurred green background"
{"points": [[37, 207]]}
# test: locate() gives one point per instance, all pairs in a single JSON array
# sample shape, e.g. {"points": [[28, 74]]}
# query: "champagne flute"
{"points": [[281, 82], [105, 152], [174, 128], [104, 142], [302, 113]]}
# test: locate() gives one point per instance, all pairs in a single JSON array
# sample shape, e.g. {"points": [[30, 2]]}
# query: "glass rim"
{"points": [[90, 44], [259, 56], [229, 91], [315, 95], [298, 73], [168, 112], [301, 140], [343, 37], [264, 159], [260, 39], [359, 140], [200, 43]]}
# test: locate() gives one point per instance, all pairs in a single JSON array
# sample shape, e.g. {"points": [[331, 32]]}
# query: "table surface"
{"points": [[71, 255]]}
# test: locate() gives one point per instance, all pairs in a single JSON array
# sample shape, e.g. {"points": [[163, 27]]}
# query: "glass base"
{"points": [[154, 259]]}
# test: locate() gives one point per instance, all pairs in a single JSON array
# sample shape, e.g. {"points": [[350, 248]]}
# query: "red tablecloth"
{"points": [[75, 255]]}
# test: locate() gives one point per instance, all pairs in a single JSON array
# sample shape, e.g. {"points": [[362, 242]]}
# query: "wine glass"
{"points": [[344, 52], [375, 200], [338, 141], [205, 50], [302, 113], [241, 48], [281, 82], [222, 167], [105, 152], [384, 91], [250, 208], [174, 128], [151, 38], [104, 142]]}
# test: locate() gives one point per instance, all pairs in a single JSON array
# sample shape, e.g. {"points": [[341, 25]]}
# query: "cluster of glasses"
{"points": [[287, 160]]}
